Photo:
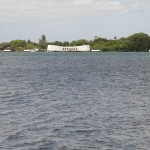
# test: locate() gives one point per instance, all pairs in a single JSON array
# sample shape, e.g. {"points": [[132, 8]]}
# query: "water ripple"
{"points": [[74, 101]]}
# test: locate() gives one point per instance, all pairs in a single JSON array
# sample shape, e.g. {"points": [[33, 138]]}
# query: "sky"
{"points": [[68, 20]]}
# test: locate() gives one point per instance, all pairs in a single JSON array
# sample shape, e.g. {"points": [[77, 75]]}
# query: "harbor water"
{"points": [[74, 101]]}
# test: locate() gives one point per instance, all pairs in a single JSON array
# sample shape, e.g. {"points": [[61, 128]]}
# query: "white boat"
{"points": [[27, 50], [95, 50], [34, 50], [30, 50], [7, 50]]}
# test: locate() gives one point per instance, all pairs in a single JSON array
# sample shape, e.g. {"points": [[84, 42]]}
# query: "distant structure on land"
{"points": [[55, 48]]}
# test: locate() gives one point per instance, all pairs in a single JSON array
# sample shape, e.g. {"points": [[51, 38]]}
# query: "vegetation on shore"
{"points": [[137, 42]]}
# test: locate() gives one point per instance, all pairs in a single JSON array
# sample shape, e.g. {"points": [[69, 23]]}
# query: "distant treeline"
{"points": [[137, 42]]}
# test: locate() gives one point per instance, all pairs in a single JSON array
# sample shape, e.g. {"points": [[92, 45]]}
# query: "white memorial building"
{"points": [[55, 48]]}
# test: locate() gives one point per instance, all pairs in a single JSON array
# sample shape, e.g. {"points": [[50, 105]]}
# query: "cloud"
{"points": [[20, 10], [141, 5]]}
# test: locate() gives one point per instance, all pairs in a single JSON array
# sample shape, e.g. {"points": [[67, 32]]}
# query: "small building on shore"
{"points": [[55, 48]]}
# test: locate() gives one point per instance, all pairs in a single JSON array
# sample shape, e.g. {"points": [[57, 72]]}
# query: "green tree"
{"points": [[65, 43], [31, 45], [4, 46], [139, 42], [18, 45], [79, 42], [43, 42], [99, 39]]}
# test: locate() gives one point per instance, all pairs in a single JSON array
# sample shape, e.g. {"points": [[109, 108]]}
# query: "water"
{"points": [[74, 101]]}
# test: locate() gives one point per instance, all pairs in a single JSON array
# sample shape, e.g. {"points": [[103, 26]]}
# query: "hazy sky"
{"points": [[67, 20]]}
